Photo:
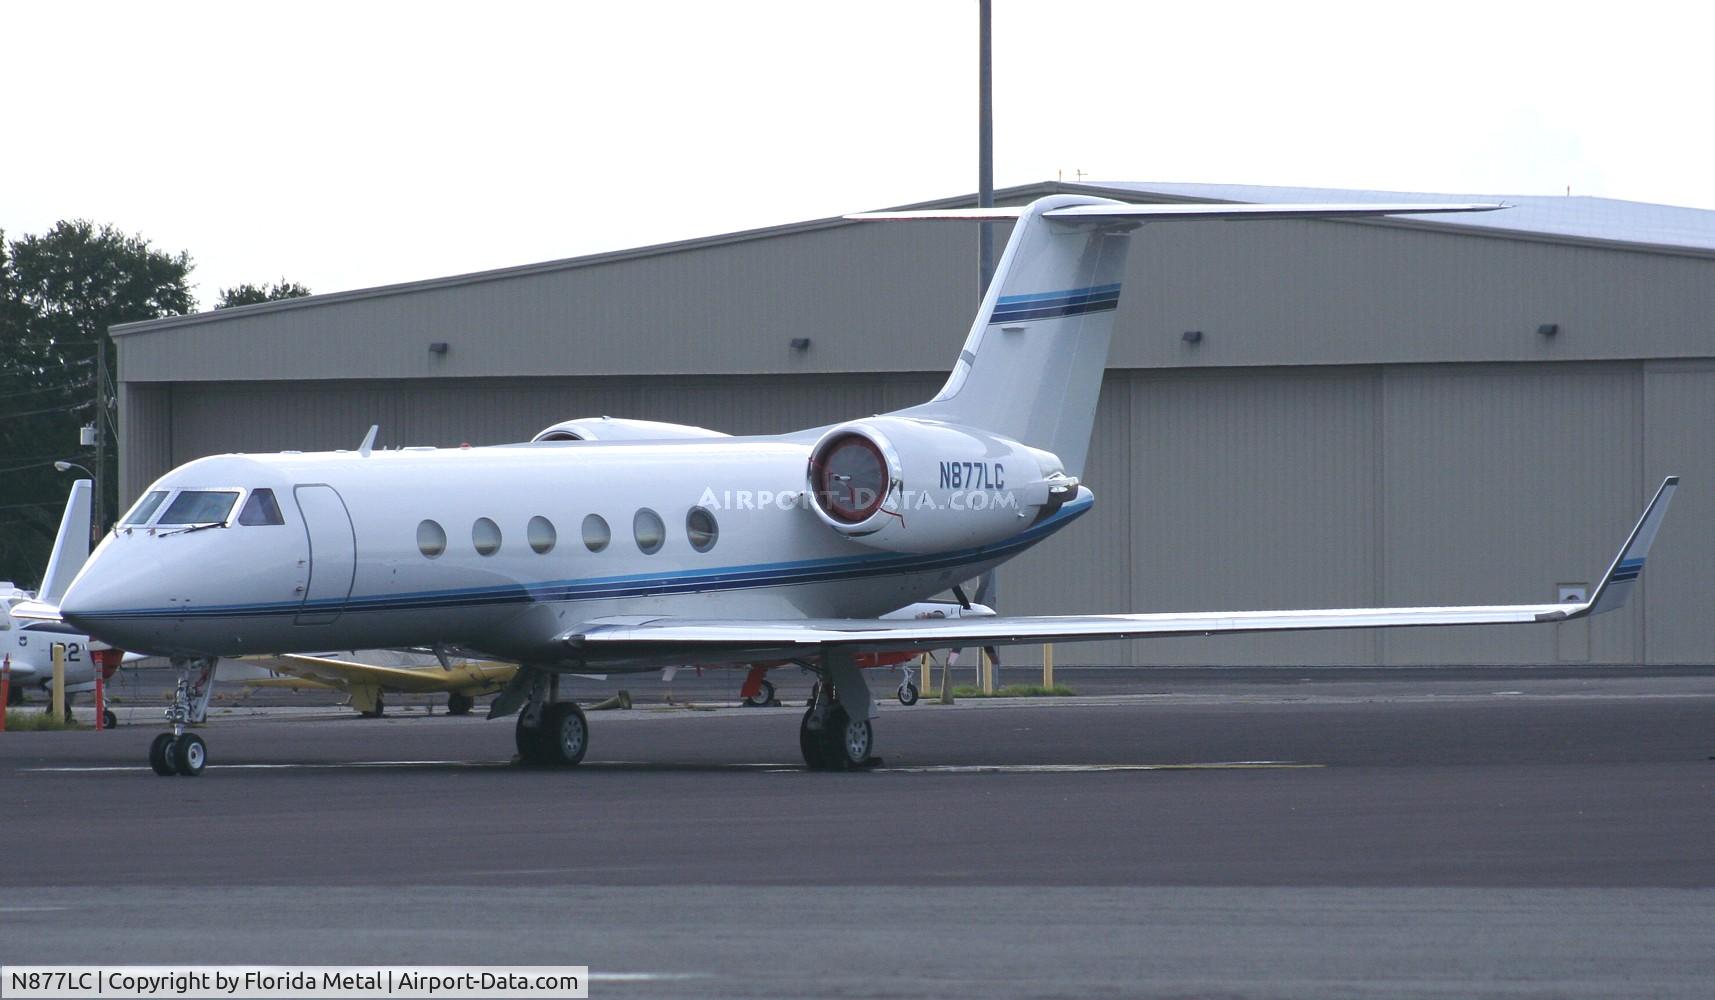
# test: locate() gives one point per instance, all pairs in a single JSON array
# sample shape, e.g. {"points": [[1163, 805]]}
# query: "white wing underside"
{"points": [[622, 638]]}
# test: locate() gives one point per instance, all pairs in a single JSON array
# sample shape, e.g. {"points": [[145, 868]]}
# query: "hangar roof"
{"points": [[1603, 220]]}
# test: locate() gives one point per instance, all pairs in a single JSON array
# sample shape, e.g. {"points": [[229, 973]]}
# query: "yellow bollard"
{"points": [[985, 669], [926, 670], [1048, 665], [59, 698]]}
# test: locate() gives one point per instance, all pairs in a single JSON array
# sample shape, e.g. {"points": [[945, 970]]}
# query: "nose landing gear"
{"points": [[182, 752]]}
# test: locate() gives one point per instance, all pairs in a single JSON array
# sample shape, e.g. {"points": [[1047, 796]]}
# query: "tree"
{"points": [[59, 294], [248, 294]]}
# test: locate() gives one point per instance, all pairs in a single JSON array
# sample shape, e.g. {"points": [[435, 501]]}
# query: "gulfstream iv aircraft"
{"points": [[608, 546]]}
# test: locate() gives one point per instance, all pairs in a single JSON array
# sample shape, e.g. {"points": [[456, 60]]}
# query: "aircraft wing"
{"points": [[641, 638], [326, 670]]}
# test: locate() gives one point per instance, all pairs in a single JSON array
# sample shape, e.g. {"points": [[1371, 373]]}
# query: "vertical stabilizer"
{"points": [[1031, 368], [71, 545]]}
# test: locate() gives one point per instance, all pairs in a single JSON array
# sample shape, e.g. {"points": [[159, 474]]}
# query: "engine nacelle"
{"points": [[907, 485], [611, 429]]}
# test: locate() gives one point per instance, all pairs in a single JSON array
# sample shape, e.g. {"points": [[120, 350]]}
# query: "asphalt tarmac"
{"points": [[1275, 834]]}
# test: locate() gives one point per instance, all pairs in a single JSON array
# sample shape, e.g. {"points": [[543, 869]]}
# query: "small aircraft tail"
{"points": [[71, 545], [1031, 368]]}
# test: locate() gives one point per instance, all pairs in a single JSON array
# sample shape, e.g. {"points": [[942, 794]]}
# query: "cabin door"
{"points": [[333, 553]]}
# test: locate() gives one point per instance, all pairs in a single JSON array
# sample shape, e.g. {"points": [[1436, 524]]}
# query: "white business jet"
{"points": [[609, 546]]}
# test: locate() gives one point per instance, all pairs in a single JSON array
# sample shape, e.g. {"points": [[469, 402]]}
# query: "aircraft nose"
{"points": [[106, 593]]}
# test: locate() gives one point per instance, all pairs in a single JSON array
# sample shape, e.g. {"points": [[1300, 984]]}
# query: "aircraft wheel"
{"points": [[763, 697], [161, 755], [810, 743], [460, 704], [908, 694], [849, 742], [565, 733], [190, 755], [108, 719], [529, 740], [378, 711]]}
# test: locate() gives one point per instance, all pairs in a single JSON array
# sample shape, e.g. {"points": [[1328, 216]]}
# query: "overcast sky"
{"points": [[345, 145]]}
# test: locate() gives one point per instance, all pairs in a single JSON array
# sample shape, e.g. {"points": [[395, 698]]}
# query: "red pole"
{"points": [[5, 689], [100, 698]]}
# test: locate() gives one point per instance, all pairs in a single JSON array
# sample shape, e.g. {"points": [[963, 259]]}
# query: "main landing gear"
{"points": [[182, 752], [459, 704], [550, 732], [835, 733]]}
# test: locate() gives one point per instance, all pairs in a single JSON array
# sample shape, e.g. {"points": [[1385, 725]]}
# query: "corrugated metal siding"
{"points": [[898, 297], [1679, 411], [1253, 491], [1320, 293], [731, 309], [145, 437], [1501, 482]]}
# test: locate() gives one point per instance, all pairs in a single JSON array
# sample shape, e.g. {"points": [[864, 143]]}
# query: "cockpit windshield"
{"points": [[145, 508], [199, 507]]}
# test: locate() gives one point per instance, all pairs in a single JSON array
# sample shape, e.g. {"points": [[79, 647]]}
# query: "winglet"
{"points": [[1624, 571]]}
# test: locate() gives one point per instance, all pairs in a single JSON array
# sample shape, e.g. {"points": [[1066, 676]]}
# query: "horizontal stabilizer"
{"points": [[1163, 213]]}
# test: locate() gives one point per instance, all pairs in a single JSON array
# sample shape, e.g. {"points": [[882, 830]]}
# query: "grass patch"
{"points": [[1014, 691], [26, 720]]}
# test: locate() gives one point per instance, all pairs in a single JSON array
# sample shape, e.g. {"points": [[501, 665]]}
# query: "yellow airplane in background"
{"points": [[462, 680]]}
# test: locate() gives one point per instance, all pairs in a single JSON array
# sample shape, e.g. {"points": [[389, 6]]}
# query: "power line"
{"points": [[49, 388], [52, 409]]}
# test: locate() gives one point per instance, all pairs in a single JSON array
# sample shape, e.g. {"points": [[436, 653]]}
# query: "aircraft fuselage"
{"points": [[500, 549]]}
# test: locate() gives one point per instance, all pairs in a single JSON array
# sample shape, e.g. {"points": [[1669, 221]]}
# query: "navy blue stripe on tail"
{"points": [[1047, 305]]}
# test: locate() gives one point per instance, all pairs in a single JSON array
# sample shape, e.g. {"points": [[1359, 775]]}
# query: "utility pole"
{"points": [[988, 591], [97, 522], [985, 146]]}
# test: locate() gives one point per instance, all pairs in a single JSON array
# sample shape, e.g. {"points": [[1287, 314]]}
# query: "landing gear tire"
{"points": [[161, 755], [842, 744], [763, 697], [530, 741], [460, 704], [108, 719], [908, 693], [190, 755], [565, 734], [810, 743], [378, 711]]}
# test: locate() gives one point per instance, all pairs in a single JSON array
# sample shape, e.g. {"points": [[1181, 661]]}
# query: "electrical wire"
{"points": [[85, 384], [86, 404]]}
